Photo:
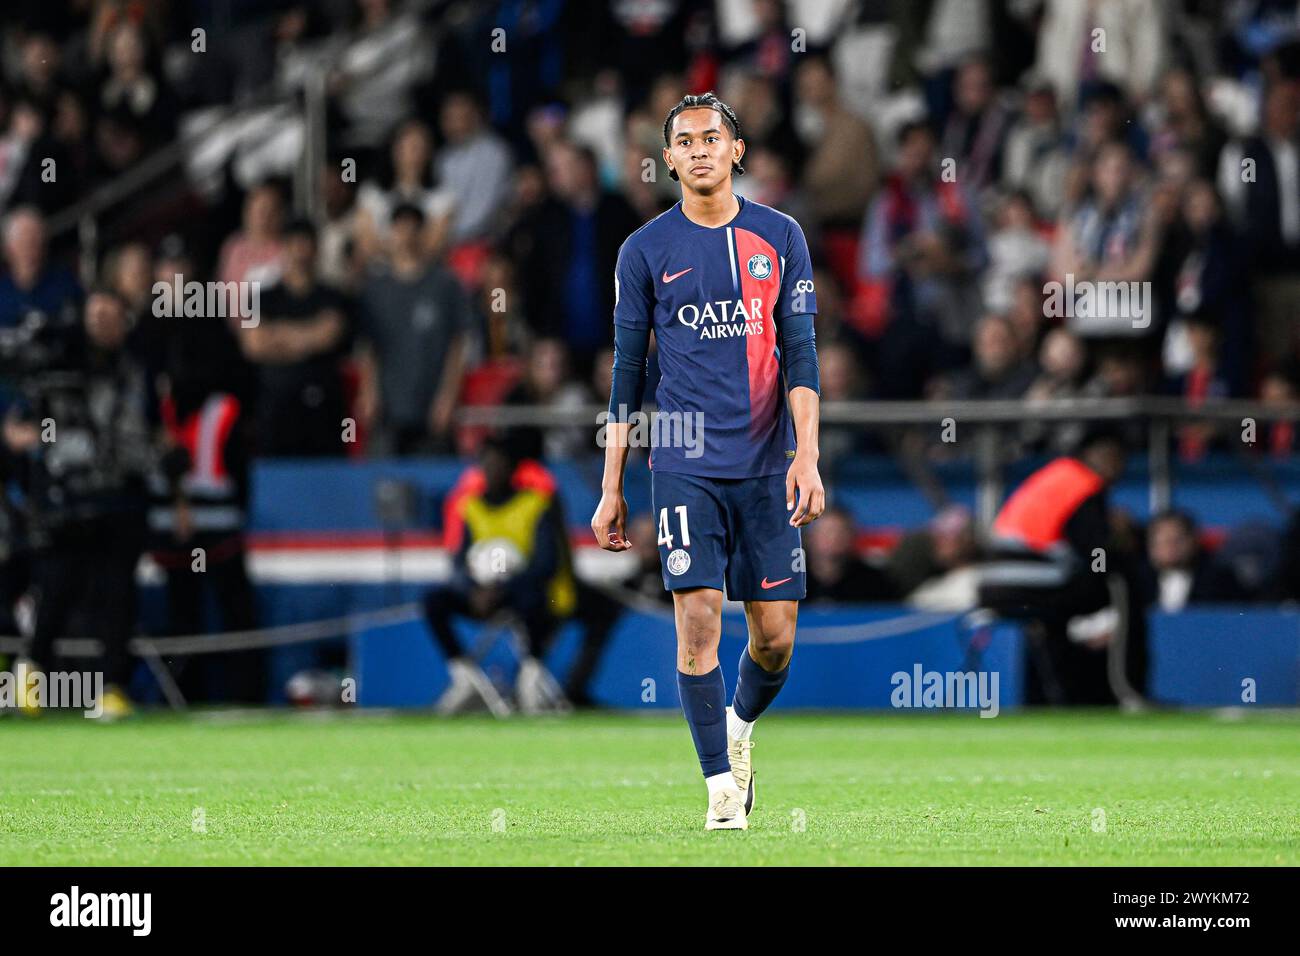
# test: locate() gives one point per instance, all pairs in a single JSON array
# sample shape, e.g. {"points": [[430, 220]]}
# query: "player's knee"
{"points": [[772, 649], [698, 631], [699, 626]]}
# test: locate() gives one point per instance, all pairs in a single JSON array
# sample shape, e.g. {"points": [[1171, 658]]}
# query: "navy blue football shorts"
{"points": [[732, 530]]}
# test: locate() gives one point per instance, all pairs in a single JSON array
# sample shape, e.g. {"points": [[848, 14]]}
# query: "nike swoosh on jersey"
{"points": [[771, 584], [675, 275]]}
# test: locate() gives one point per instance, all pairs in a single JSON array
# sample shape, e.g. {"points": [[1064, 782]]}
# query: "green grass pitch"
{"points": [[1068, 788]]}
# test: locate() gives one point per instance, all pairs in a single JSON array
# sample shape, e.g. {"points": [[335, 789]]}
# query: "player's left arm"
{"points": [[803, 480], [797, 305]]}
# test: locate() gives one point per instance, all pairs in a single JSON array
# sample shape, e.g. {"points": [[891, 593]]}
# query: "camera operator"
{"points": [[83, 446]]}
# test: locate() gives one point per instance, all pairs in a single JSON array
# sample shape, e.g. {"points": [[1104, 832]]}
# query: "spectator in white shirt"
{"points": [[475, 166], [412, 184]]}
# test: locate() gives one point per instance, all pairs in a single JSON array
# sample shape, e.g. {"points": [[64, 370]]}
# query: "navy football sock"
{"points": [[704, 702], [755, 687]]}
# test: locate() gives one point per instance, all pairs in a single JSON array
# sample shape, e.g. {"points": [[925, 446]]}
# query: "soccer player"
{"points": [[726, 285]]}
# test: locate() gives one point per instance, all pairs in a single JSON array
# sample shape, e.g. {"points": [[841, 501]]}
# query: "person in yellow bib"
{"points": [[512, 558]]}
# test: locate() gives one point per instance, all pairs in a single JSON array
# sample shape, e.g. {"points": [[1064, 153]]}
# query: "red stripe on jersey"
{"points": [[216, 420], [760, 350]]}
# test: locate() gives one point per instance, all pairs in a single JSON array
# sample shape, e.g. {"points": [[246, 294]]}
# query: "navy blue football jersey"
{"points": [[715, 298]]}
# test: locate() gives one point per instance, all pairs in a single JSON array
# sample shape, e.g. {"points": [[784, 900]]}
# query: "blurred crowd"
{"points": [[948, 160], [428, 198]]}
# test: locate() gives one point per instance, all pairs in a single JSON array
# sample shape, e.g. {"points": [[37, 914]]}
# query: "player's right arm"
{"points": [[609, 523], [633, 318]]}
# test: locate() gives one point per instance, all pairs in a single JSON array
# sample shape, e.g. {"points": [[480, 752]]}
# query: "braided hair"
{"points": [[704, 101]]}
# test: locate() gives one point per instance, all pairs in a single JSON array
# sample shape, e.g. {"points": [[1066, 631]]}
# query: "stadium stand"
{"points": [[1012, 241]]}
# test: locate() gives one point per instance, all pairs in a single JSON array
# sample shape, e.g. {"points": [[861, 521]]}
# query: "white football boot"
{"points": [[742, 769], [727, 811]]}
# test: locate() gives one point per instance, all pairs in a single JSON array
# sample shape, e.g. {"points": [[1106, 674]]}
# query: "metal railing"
{"points": [[1161, 415], [882, 413]]}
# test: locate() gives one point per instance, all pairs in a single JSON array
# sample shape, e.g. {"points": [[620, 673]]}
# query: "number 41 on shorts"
{"points": [[665, 535]]}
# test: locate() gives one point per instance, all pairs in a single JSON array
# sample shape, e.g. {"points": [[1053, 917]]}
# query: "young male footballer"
{"points": [[726, 285]]}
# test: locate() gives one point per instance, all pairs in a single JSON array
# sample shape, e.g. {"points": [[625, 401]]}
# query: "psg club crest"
{"points": [[760, 266], [679, 562]]}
